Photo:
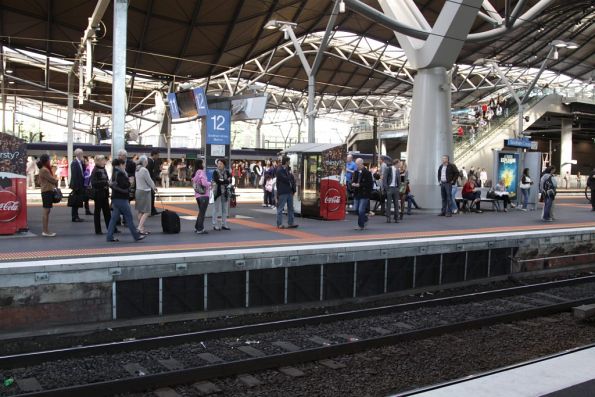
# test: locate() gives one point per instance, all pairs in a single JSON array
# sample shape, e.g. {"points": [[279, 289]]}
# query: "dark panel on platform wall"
{"points": [[136, 298], [338, 280], [453, 267], [303, 284], [370, 277], [267, 287], [183, 294], [500, 261], [400, 273], [226, 290], [427, 270], [477, 264]]}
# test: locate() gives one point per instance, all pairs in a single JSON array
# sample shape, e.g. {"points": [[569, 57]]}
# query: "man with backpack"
{"points": [[548, 186]]}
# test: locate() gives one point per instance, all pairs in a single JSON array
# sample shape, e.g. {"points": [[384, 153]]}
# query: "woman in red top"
{"points": [[469, 193]]}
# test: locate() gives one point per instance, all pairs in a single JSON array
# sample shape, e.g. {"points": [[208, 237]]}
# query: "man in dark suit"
{"points": [[154, 167], [77, 182], [363, 183]]}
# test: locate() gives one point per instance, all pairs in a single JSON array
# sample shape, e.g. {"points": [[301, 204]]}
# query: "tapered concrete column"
{"points": [[566, 147], [430, 135]]}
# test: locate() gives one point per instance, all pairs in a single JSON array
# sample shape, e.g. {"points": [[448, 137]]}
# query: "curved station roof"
{"points": [[224, 45]]}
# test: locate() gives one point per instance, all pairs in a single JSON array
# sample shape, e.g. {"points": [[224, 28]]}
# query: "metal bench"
{"points": [[463, 204]]}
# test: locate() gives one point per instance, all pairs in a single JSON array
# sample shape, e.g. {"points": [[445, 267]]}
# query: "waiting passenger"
{"points": [[362, 183], [47, 182], [145, 187], [221, 180], [100, 187], [502, 193], [120, 186], [473, 194], [548, 185], [201, 186], [447, 176], [525, 186], [286, 188]]}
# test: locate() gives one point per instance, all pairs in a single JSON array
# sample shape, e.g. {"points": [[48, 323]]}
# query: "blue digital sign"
{"points": [[218, 127], [201, 101]]}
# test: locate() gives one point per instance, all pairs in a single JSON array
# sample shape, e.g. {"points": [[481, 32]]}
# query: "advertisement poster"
{"points": [[508, 170]]}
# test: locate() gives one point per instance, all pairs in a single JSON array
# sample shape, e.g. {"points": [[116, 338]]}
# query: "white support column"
{"points": [[119, 76], [430, 137], [565, 147], [70, 119]]}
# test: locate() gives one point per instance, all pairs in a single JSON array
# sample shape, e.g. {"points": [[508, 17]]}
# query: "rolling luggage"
{"points": [[170, 222]]}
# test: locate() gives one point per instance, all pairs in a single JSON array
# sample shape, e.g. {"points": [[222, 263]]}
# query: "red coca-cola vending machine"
{"points": [[13, 185], [319, 171]]}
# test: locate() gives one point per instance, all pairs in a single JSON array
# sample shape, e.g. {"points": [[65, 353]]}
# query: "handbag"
{"points": [[491, 194], [75, 200], [57, 195], [211, 197], [402, 188], [199, 188]]}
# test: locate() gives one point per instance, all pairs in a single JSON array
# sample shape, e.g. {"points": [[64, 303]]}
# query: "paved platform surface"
{"points": [[568, 375], [253, 226]]}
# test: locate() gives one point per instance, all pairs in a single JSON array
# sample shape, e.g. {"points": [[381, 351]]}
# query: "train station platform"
{"points": [[568, 374], [79, 277]]}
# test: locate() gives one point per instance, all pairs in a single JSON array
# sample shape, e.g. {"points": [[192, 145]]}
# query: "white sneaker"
{"points": [[48, 234]]}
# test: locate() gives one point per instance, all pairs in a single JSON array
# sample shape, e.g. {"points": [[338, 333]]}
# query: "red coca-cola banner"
{"points": [[10, 206], [13, 187]]}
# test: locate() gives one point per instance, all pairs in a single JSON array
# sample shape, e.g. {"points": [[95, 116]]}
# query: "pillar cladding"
{"points": [[430, 135], [566, 147]]}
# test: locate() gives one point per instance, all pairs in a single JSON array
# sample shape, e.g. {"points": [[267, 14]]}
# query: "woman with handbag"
{"points": [[201, 186], [48, 184], [99, 192], [525, 186]]}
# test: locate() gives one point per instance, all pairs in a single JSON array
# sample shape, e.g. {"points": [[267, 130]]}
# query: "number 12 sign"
{"points": [[218, 127]]}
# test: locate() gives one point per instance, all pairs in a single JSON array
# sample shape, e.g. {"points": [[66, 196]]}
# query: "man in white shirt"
{"points": [[391, 180]]}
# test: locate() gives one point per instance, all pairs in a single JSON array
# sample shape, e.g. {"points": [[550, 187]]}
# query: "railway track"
{"points": [[145, 364]]}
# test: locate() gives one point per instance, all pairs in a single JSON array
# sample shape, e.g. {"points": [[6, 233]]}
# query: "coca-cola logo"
{"points": [[332, 199], [10, 206]]}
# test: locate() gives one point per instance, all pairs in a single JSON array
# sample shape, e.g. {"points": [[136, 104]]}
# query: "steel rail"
{"points": [[32, 358], [190, 375]]}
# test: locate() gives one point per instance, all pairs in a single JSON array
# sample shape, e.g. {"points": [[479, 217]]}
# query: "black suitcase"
{"points": [[170, 222]]}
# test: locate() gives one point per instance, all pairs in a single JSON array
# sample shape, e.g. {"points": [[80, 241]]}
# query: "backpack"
{"points": [[548, 187]]}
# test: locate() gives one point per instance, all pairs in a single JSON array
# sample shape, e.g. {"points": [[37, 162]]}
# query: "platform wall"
{"points": [[74, 291]]}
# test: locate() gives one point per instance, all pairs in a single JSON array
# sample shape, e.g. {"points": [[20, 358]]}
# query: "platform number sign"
{"points": [[218, 127], [201, 101]]}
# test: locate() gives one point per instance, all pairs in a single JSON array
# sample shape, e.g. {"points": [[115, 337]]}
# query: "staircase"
{"points": [[479, 152]]}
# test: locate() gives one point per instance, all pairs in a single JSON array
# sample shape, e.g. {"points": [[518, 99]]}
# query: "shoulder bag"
{"points": [[57, 195]]}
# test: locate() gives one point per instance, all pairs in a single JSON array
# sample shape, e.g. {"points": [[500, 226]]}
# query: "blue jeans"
{"points": [[446, 192], [121, 207], [547, 207], [453, 201], [285, 199], [362, 211], [525, 193]]}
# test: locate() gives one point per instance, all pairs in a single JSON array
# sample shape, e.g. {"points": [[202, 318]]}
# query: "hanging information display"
{"points": [[201, 101]]}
